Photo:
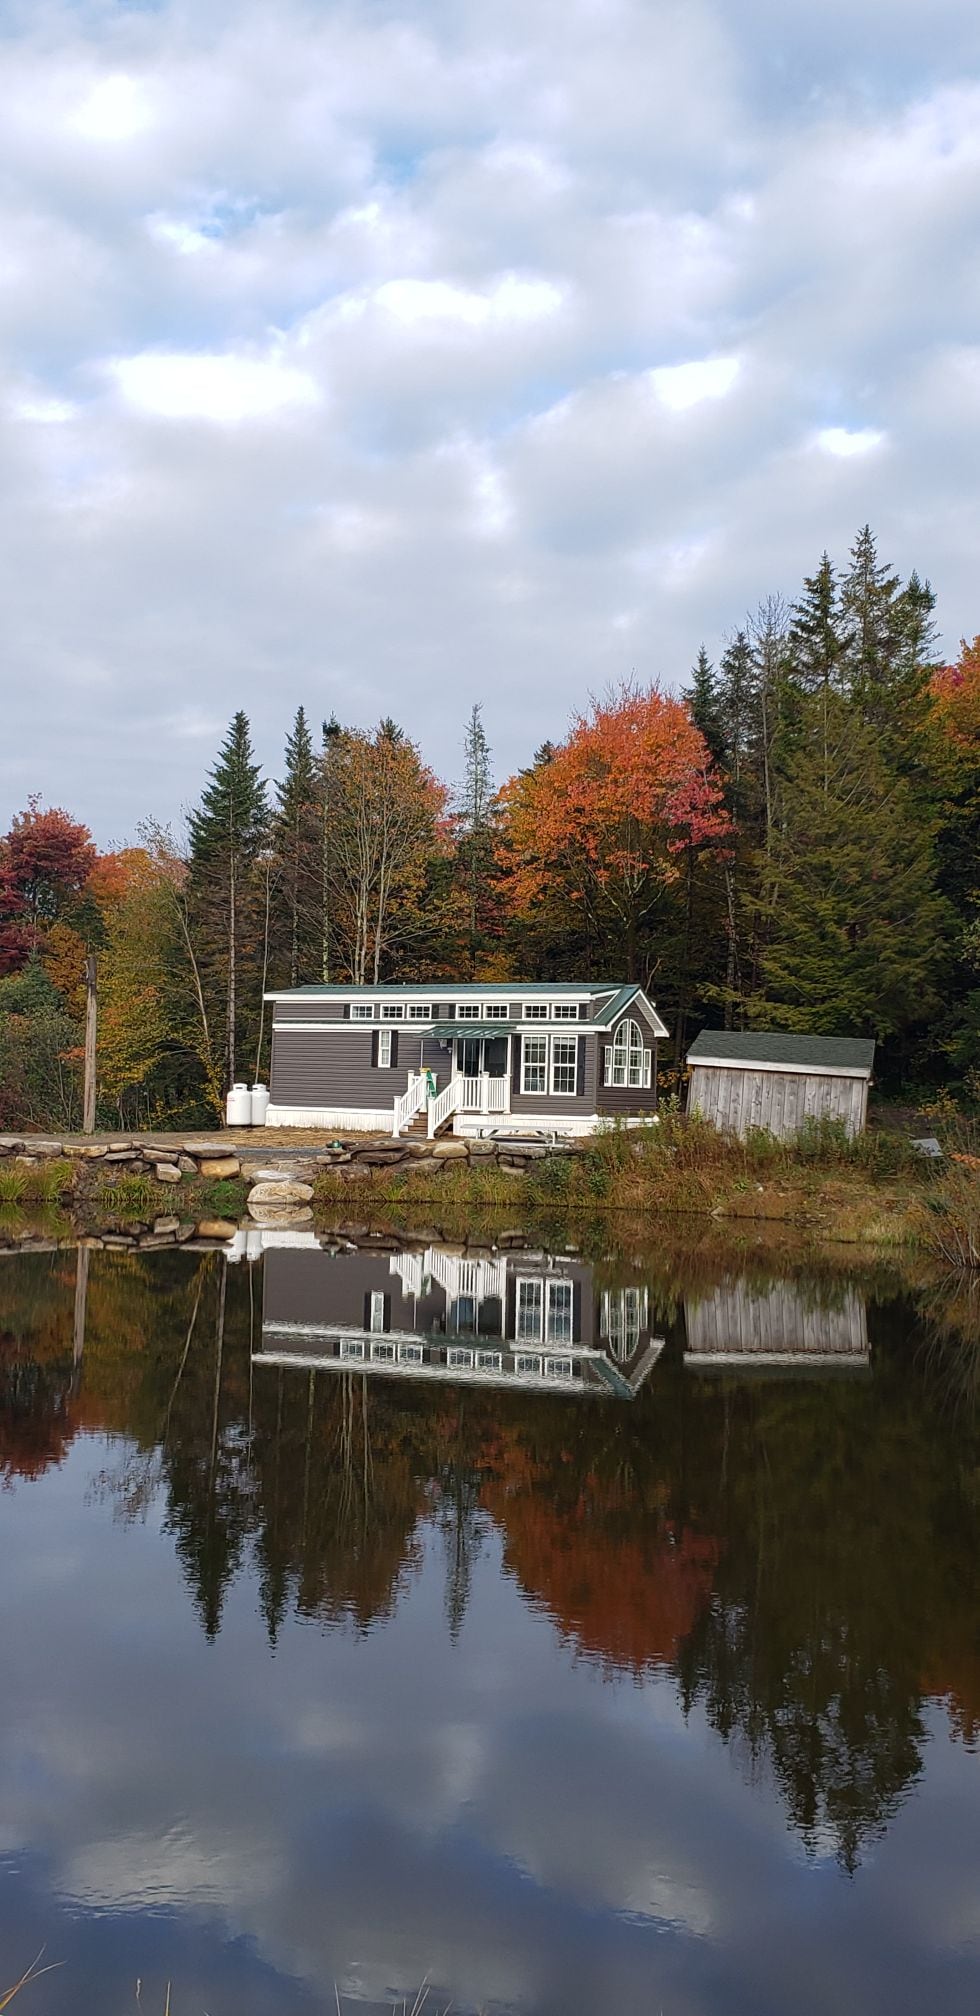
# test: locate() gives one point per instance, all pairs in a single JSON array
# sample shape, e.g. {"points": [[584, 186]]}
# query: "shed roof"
{"points": [[777, 1047], [470, 1028]]}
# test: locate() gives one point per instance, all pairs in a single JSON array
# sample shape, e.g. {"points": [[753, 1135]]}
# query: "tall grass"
{"points": [[44, 1183]]}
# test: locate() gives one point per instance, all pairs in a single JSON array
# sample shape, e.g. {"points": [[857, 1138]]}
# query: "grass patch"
{"points": [[44, 1183], [865, 1191]]}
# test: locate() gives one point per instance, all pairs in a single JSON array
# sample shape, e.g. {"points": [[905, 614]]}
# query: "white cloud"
{"points": [[227, 389], [848, 441], [116, 108], [679, 386], [487, 326]]}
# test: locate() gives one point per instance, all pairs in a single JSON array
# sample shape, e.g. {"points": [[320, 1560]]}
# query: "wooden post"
{"points": [[81, 1300], [91, 1024]]}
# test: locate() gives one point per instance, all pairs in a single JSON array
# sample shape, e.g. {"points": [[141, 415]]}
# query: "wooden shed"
{"points": [[777, 1081]]}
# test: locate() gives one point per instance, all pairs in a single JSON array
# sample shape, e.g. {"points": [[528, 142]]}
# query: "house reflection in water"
{"points": [[440, 1313], [781, 1327]]}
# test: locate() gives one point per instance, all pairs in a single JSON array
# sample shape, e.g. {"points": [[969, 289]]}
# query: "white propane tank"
{"points": [[260, 1104], [238, 1107]]}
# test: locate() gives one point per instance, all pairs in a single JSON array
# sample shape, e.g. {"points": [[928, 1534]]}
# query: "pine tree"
{"points": [[855, 925], [475, 846], [705, 705], [297, 840], [736, 705], [891, 638], [227, 833], [331, 739], [818, 636]]}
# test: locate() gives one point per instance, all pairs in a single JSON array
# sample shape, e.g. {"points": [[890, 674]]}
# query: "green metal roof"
{"points": [[620, 1000], [457, 990], [778, 1046]]}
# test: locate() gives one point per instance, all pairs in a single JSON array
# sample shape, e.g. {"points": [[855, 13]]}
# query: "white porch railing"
{"points": [[469, 1095], [409, 1103]]}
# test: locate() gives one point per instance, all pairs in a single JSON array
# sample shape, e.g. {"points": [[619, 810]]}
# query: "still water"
{"points": [[599, 1638]]}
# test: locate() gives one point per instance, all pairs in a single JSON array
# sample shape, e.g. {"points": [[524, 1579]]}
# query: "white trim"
{"points": [[386, 1063], [337, 1119], [785, 1070], [535, 1091]]}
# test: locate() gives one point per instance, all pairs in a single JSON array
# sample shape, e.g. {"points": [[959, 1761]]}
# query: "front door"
{"points": [[468, 1055]]}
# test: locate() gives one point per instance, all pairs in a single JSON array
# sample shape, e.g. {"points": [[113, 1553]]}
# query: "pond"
{"points": [[588, 1636]]}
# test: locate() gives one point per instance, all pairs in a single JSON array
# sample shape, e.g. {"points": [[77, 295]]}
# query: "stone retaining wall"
{"points": [[194, 1155]]}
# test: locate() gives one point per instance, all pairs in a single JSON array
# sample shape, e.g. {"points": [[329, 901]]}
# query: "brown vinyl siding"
{"points": [[544, 1103], [313, 1068], [632, 1101], [310, 1010]]}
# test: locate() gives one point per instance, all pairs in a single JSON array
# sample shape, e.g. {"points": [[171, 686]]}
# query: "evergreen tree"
{"points": [[705, 705], [475, 843], [818, 634], [890, 638], [736, 706], [297, 841], [855, 924], [331, 738], [227, 834]]}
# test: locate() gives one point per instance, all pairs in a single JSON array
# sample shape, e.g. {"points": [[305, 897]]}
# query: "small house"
{"points": [[777, 1081], [512, 1057]]}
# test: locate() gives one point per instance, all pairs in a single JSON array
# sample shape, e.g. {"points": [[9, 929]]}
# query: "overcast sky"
{"points": [[390, 357]]}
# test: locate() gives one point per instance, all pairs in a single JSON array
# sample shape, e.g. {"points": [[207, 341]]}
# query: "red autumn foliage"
{"points": [[49, 858], [625, 795]]}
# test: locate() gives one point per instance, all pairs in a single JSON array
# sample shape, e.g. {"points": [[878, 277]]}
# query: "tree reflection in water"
{"points": [[798, 1555]]}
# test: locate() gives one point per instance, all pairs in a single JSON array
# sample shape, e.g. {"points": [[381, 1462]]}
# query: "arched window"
{"points": [[628, 1063]]}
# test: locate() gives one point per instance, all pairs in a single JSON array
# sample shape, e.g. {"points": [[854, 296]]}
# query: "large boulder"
{"points": [[279, 1191], [217, 1167], [449, 1149], [272, 1215], [166, 1172]]}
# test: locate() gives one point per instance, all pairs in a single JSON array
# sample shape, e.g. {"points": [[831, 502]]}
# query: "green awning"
{"points": [[448, 1029]]}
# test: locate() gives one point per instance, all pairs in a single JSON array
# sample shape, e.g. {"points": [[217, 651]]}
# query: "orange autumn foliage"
{"points": [[608, 817]]}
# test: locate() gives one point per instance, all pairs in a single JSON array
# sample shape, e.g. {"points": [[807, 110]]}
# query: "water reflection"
{"points": [[442, 1314], [553, 1604]]}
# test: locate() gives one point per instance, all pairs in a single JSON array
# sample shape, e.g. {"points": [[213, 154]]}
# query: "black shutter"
{"points": [[367, 1311], [577, 1312], [653, 1075], [346, 1011], [515, 1076], [583, 1011], [510, 1309], [374, 1048], [580, 1068], [394, 1048]]}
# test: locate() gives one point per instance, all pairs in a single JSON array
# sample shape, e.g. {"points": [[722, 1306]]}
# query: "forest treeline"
{"points": [[793, 842]]}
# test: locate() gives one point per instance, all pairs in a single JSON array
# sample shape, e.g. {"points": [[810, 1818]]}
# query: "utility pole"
{"points": [[91, 1025]]}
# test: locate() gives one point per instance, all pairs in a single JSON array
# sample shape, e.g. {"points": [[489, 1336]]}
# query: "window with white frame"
{"points": [[623, 1316], [564, 1059], [362, 1011], [458, 1359], [351, 1347], [560, 1304], [489, 1361], [410, 1354], [530, 1309], [534, 1064], [392, 1012], [384, 1049], [536, 1011], [527, 1362], [377, 1311], [419, 1011], [383, 1353], [559, 1368], [467, 1011], [565, 1011], [627, 1061], [495, 1011]]}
